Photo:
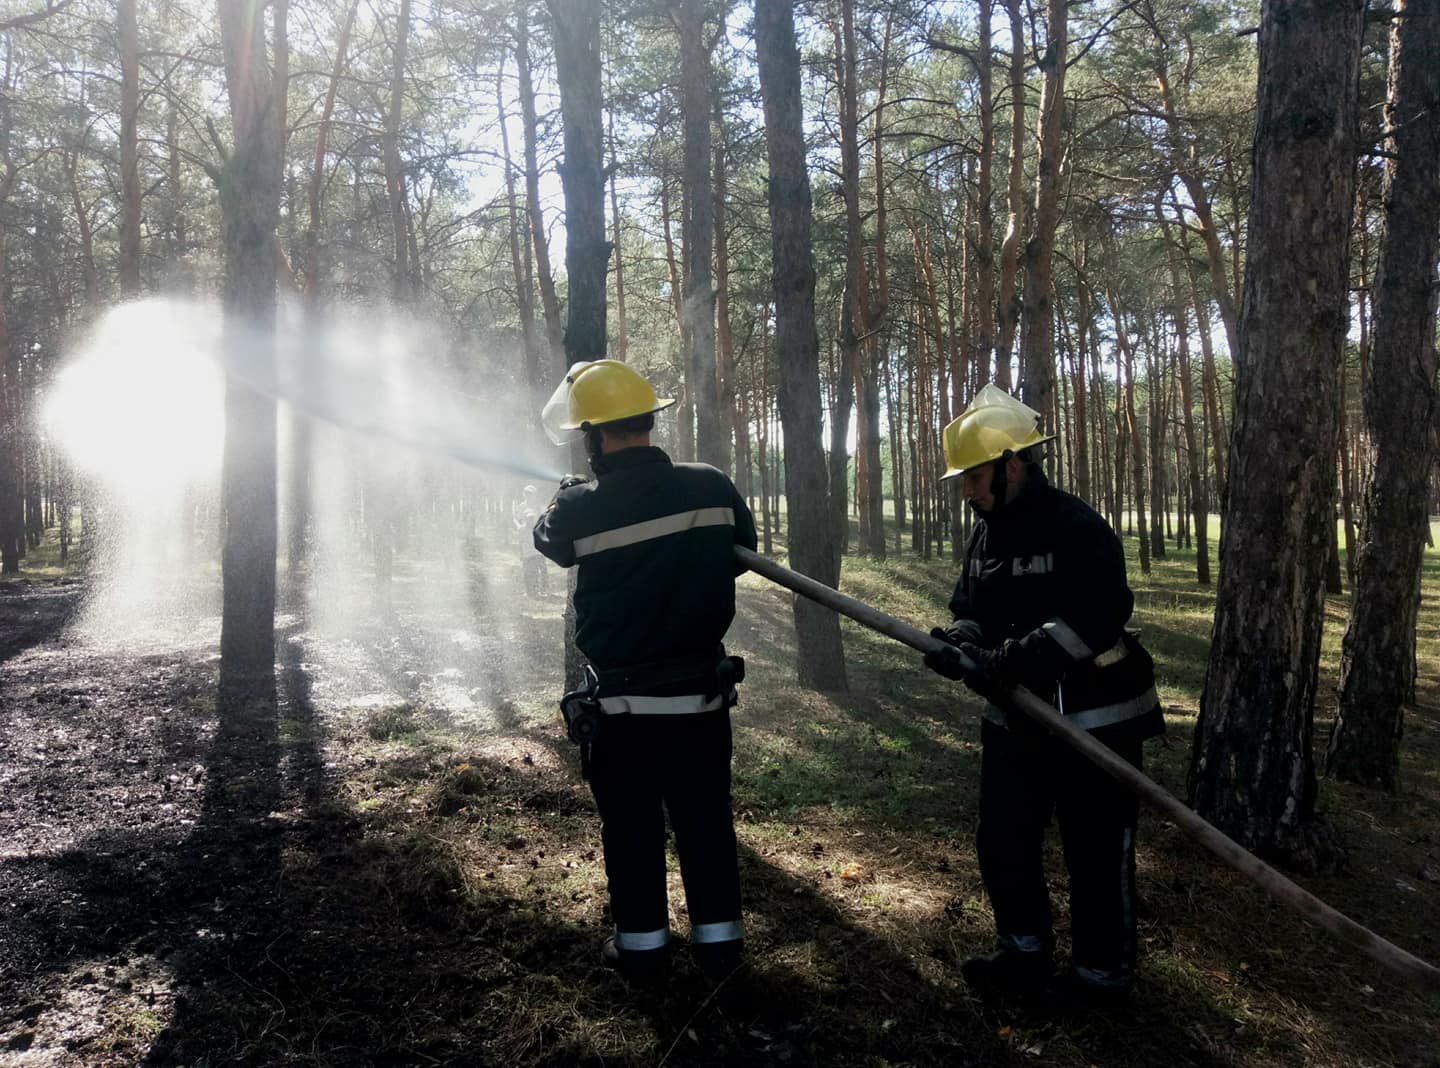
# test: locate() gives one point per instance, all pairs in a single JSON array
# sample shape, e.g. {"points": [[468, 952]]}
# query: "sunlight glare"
{"points": [[140, 405]]}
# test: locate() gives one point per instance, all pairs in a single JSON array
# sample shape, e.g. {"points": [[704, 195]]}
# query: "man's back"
{"points": [[655, 545]]}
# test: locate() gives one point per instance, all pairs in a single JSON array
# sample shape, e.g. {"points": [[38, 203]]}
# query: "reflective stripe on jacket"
{"points": [[1047, 571], [654, 542]]}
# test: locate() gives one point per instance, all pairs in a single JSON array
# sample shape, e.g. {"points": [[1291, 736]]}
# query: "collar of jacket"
{"points": [[625, 458], [1018, 512]]}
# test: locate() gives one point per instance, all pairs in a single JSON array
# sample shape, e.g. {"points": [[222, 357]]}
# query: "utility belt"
{"points": [[603, 694]]}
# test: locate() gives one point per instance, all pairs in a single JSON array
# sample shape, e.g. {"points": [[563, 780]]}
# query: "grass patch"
{"points": [[398, 723], [43, 561]]}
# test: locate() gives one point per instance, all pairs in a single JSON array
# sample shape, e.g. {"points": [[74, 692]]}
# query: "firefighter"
{"points": [[654, 596], [1043, 602]]}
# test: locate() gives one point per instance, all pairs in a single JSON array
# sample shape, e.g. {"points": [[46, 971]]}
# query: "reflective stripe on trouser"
{"points": [[1024, 780], [642, 767], [640, 941], [725, 931]]}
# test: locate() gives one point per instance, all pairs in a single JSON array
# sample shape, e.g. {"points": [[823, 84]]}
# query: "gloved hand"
{"points": [[962, 630], [979, 668], [573, 480]]}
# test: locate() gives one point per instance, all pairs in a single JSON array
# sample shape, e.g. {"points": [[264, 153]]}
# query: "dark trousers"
{"points": [[1025, 778], [641, 767]]}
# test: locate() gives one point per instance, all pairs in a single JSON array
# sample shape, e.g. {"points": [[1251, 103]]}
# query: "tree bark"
{"points": [[250, 206], [984, 243], [530, 123], [130, 202], [820, 655], [587, 252], [1210, 380], [856, 339], [732, 424], [1198, 502], [622, 326], [1132, 431], [1377, 666], [1080, 454], [1009, 300], [402, 291], [1038, 344], [521, 266], [1252, 772], [699, 231]]}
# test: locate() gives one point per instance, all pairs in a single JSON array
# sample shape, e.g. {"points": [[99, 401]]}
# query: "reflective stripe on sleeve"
{"points": [[728, 931], [684, 705], [651, 529], [639, 941], [1065, 636]]}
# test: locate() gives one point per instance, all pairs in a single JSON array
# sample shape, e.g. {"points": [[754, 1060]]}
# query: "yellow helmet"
{"points": [[995, 425], [596, 393]]}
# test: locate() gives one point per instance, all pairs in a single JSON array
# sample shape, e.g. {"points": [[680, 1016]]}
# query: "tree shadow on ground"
{"points": [[47, 608]]}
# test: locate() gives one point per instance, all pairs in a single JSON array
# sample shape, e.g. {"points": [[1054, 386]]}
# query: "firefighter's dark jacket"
{"points": [[1047, 572], [655, 544]]}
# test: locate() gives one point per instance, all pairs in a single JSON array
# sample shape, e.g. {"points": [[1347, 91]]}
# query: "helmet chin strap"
{"points": [[1000, 482], [593, 446]]}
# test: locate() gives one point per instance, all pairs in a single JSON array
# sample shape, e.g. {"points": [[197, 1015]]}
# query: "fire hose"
{"points": [[1021, 700]]}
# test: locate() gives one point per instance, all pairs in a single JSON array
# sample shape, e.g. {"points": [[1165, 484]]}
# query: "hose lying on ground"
{"points": [[1022, 700]]}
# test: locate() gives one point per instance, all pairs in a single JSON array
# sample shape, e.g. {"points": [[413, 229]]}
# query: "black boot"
{"points": [[1089, 990], [1006, 973], [719, 959], [640, 967]]}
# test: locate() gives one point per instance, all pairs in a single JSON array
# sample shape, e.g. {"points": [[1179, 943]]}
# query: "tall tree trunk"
{"points": [[130, 203], [1038, 345], [587, 252], [622, 326], [760, 384], [298, 483], [685, 410], [250, 207], [1080, 454], [544, 276], [872, 502], [1198, 503], [1377, 666], [731, 423], [1252, 773], [1214, 413], [984, 196], [402, 290], [1159, 489], [11, 519], [897, 453], [1009, 300], [521, 268], [858, 347], [699, 230], [820, 655], [1132, 431], [1186, 166]]}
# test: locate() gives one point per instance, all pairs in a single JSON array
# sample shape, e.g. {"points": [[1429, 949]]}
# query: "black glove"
{"points": [[979, 668], [962, 630]]}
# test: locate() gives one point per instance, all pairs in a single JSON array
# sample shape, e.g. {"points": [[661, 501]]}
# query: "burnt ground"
{"points": [[397, 864]]}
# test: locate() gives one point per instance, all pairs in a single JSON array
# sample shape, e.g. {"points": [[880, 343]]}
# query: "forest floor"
{"points": [[400, 864]]}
